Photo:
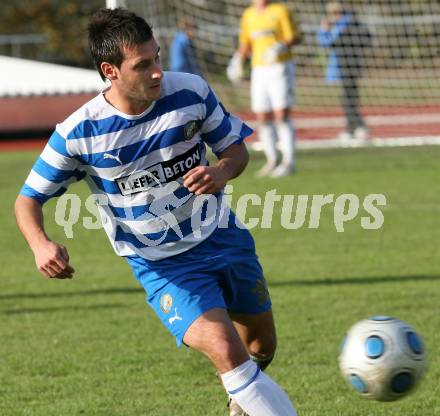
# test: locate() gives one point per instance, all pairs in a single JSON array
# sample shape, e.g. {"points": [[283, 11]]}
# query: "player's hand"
{"points": [[52, 260], [234, 70], [273, 53], [205, 180]]}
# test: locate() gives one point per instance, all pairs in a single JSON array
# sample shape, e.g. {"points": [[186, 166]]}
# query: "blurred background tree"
{"points": [[60, 25], [61, 22]]}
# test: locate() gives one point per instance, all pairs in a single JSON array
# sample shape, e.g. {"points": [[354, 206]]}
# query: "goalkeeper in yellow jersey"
{"points": [[267, 33]]}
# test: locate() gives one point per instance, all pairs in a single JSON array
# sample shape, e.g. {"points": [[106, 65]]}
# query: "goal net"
{"points": [[400, 84]]}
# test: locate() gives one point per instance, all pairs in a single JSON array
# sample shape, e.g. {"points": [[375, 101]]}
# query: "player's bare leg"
{"points": [[258, 335], [257, 332], [214, 334]]}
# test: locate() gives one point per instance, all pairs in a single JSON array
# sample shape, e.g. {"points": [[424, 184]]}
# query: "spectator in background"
{"points": [[182, 55], [267, 33], [347, 39]]}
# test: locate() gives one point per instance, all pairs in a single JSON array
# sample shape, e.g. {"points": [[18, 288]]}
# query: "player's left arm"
{"points": [[244, 39], [212, 179], [290, 29], [224, 134]]}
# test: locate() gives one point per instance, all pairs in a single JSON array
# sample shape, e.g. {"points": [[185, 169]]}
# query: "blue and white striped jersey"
{"points": [[134, 166]]}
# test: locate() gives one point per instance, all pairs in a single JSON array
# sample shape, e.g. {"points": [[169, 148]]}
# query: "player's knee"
{"points": [[283, 117], [263, 347], [262, 351], [264, 118], [226, 352]]}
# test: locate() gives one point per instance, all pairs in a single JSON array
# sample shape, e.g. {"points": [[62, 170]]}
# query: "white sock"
{"points": [[255, 392], [268, 138], [286, 135]]}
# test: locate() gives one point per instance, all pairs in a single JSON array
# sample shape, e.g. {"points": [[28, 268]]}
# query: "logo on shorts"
{"points": [[190, 129], [166, 302], [176, 317], [261, 291]]}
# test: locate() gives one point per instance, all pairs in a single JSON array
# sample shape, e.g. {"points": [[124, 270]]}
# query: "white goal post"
{"points": [[112, 4]]}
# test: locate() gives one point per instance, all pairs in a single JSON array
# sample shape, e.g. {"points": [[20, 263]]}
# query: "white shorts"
{"points": [[272, 87]]}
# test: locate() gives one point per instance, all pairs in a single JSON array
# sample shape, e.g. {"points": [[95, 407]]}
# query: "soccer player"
{"points": [[140, 145], [267, 33]]}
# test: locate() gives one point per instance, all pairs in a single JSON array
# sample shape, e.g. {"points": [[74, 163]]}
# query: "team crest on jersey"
{"points": [[190, 129], [166, 302]]}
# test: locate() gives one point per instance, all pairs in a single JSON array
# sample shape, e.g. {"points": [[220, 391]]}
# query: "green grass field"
{"points": [[90, 346]]}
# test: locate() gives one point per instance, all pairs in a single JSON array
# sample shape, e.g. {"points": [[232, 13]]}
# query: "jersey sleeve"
{"points": [[53, 171], [220, 129], [244, 36], [328, 38]]}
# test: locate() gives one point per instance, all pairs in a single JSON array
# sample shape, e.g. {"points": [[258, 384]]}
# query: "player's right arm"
{"points": [[50, 176], [51, 259]]}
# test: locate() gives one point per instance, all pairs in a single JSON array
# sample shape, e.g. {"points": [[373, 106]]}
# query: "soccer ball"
{"points": [[382, 358]]}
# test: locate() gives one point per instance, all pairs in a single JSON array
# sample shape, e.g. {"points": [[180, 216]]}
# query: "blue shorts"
{"points": [[221, 272]]}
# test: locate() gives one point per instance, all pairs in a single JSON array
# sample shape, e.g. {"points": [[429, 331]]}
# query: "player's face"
{"points": [[261, 3], [140, 74]]}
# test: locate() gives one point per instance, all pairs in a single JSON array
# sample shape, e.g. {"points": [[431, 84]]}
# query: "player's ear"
{"points": [[109, 71]]}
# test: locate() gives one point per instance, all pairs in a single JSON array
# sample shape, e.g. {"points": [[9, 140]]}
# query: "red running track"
{"points": [[327, 123]]}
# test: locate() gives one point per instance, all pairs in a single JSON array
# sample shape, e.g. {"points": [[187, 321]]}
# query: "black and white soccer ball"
{"points": [[382, 358]]}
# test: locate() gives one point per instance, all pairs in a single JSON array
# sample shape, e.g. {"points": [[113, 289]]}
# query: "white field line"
{"points": [[376, 142], [379, 120]]}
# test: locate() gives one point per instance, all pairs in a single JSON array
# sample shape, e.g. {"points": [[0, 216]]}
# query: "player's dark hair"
{"points": [[112, 29]]}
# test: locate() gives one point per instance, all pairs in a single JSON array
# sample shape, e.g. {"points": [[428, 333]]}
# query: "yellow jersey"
{"points": [[260, 30]]}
